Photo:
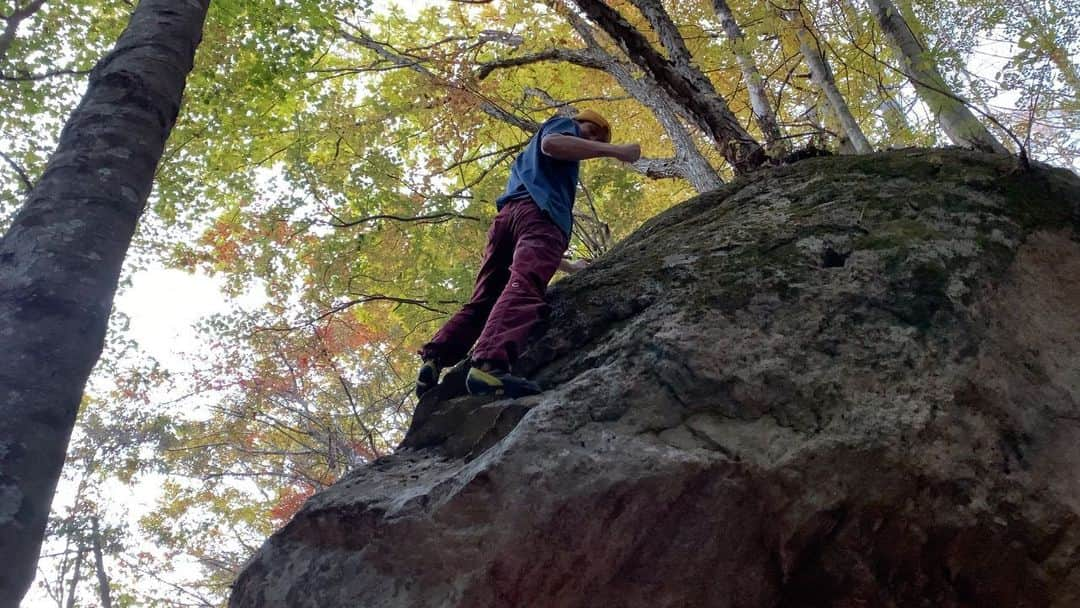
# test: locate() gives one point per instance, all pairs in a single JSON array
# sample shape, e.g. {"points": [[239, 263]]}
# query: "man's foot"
{"points": [[428, 377], [499, 383]]}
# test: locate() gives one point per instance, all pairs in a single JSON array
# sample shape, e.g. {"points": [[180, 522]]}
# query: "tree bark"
{"points": [[688, 163], [821, 74], [959, 123], [60, 262], [680, 80], [670, 37], [764, 115]]}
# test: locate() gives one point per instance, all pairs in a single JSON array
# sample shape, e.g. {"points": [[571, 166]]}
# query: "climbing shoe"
{"points": [[500, 384], [428, 377]]}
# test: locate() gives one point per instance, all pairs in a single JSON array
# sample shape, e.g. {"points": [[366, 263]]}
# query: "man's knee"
{"points": [[528, 285]]}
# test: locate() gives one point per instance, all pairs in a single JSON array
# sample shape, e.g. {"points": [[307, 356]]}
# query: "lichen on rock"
{"points": [[852, 381]]}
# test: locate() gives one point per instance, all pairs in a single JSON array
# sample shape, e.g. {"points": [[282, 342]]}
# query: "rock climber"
{"points": [[525, 246]]}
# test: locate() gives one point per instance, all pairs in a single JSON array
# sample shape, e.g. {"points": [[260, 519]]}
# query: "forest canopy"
{"points": [[334, 167]]}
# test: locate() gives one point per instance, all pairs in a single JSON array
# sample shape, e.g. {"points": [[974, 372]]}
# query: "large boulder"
{"points": [[852, 381]]}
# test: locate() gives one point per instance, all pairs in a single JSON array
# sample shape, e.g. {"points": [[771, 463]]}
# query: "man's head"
{"points": [[594, 126]]}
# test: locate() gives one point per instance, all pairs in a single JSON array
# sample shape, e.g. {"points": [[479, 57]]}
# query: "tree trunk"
{"points": [[680, 80], [814, 116], [894, 117], [821, 74], [60, 262], [670, 37], [688, 163], [764, 115], [99, 564], [954, 116], [76, 578]]}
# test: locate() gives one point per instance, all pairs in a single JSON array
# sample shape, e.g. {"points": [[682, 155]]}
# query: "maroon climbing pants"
{"points": [[523, 252]]}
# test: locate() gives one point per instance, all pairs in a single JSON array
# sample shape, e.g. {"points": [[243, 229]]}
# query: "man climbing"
{"points": [[524, 249]]}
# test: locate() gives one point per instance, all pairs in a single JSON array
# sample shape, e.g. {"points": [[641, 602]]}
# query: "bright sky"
{"points": [[164, 305]]}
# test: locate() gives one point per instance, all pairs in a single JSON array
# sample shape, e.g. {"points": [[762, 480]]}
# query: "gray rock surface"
{"points": [[849, 382]]}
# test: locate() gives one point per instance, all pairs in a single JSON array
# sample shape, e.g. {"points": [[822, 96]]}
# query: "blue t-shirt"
{"points": [[548, 181]]}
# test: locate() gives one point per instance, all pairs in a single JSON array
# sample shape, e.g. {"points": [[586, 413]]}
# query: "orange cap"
{"points": [[598, 120]]}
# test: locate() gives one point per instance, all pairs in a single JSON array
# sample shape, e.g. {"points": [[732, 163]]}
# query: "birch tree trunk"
{"points": [[60, 262], [764, 115], [894, 117], [688, 163], [821, 74], [959, 123], [680, 80]]}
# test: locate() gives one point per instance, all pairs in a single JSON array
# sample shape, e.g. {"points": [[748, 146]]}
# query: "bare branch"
{"points": [[566, 107], [363, 299], [27, 76], [499, 37], [574, 56], [28, 185], [433, 218], [387, 52]]}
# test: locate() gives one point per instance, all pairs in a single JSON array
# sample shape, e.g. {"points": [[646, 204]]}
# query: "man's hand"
{"points": [[628, 153], [572, 266]]}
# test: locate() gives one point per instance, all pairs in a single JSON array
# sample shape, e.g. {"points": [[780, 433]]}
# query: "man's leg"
{"points": [[452, 342], [538, 248]]}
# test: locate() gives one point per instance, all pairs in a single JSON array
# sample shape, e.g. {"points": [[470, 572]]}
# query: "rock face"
{"points": [[849, 382]]}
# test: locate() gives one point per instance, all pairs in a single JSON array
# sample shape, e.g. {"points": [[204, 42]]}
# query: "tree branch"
{"points": [[363, 299], [682, 82], [27, 76], [28, 185], [13, 20], [434, 218], [574, 56], [388, 53]]}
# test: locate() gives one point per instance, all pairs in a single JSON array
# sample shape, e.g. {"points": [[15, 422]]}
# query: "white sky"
{"points": [[164, 305]]}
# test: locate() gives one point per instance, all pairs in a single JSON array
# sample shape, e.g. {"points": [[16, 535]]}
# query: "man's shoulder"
{"points": [[563, 125]]}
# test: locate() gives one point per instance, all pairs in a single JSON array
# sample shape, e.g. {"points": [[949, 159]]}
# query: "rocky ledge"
{"points": [[852, 381]]}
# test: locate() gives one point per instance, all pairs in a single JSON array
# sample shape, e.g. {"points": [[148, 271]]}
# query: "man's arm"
{"points": [[568, 147]]}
